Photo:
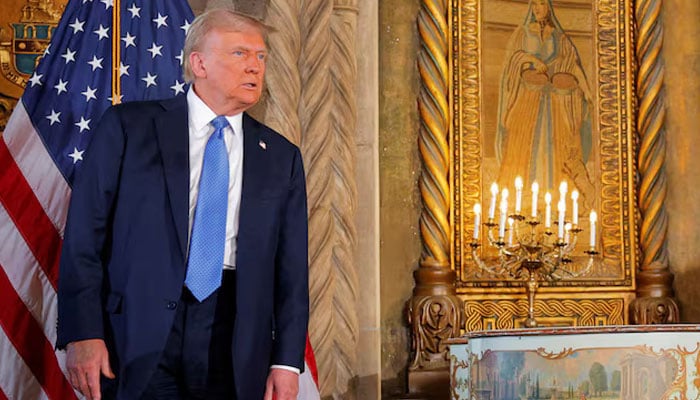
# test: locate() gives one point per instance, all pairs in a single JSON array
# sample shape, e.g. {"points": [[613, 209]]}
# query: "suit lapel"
{"points": [[172, 130]]}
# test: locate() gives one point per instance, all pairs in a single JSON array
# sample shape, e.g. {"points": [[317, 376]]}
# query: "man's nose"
{"points": [[254, 65]]}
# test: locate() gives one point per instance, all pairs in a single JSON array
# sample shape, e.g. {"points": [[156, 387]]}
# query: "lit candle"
{"points": [[567, 228], [477, 220], [548, 210], [535, 190], [502, 225], [518, 194], [574, 209], [562, 210], [593, 218], [562, 193], [510, 231], [492, 206]]}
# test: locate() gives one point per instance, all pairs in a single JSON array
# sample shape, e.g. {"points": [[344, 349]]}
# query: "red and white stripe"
{"points": [[33, 205], [308, 380]]}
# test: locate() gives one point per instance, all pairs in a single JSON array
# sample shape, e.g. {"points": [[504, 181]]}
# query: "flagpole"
{"points": [[116, 56]]}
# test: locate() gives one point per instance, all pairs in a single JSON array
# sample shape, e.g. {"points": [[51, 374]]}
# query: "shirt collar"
{"points": [[200, 115]]}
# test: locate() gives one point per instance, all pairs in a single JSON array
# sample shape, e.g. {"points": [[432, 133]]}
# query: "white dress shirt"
{"points": [[200, 129], [200, 116]]}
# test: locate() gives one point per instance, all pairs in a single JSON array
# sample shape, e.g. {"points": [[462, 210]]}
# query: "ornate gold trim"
{"points": [[500, 313], [618, 218]]}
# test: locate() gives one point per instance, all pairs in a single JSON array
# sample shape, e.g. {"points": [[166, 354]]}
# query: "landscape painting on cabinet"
{"points": [[585, 374]]}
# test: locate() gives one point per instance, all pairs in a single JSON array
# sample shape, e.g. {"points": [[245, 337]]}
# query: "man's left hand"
{"points": [[282, 384]]}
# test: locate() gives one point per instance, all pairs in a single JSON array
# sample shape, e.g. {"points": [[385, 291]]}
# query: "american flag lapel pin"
{"points": [[262, 145]]}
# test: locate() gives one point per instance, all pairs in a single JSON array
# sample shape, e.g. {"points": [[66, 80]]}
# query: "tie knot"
{"points": [[219, 122]]}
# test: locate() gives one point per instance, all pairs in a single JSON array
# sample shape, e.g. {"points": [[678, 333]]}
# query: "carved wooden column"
{"points": [[654, 303], [434, 311]]}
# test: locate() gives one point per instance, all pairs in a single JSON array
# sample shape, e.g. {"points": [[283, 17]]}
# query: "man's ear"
{"points": [[197, 64]]}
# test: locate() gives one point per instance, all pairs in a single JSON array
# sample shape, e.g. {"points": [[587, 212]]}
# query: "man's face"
{"points": [[232, 68]]}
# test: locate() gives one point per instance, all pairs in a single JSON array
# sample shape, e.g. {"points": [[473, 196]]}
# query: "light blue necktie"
{"points": [[206, 257]]}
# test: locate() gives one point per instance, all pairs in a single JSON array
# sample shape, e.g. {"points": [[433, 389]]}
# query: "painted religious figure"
{"points": [[545, 106]]}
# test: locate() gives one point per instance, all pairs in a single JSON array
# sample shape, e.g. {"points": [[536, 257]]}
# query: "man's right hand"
{"points": [[85, 360]]}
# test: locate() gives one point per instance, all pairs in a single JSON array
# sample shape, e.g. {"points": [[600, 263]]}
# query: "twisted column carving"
{"points": [[283, 79], [434, 126], [344, 200], [434, 311], [317, 145], [655, 302]]}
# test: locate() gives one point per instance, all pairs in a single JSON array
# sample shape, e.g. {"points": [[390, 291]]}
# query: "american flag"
{"points": [[41, 149]]}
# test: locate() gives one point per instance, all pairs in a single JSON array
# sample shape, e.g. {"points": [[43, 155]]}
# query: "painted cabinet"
{"points": [[626, 362]]}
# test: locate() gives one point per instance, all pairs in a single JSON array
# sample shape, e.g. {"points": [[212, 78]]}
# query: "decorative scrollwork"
{"points": [[654, 310], [550, 355], [506, 313], [433, 320]]}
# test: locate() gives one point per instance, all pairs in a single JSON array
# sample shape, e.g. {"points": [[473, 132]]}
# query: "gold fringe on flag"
{"points": [[116, 56]]}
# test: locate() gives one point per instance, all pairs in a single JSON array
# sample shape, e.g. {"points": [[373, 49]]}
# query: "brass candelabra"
{"points": [[529, 250]]}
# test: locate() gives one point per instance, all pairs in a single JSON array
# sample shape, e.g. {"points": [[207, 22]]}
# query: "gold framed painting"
{"points": [[543, 90]]}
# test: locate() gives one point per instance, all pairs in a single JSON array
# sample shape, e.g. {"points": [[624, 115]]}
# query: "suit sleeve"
{"points": [[87, 235], [291, 281]]}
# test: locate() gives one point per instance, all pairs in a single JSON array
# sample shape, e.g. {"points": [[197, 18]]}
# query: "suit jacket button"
{"points": [[171, 305]]}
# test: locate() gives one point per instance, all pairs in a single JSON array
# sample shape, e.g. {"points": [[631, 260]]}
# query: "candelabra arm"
{"points": [[572, 245], [479, 262], [492, 240]]}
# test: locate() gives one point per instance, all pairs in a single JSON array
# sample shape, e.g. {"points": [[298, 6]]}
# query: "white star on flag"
{"points": [[186, 26], [36, 79], [53, 117], [77, 26], [107, 3], [120, 98], [135, 11], [96, 62], [102, 32], [155, 50], [76, 155], [61, 86], [69, 55], [180, 57], [89, 93], [160, 21], [150, 79], [123, 69], [83, 124], [129, 40], [178, 87]]}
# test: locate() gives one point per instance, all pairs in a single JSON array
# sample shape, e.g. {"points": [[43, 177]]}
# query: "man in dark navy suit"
{"points": [[184, 268]]}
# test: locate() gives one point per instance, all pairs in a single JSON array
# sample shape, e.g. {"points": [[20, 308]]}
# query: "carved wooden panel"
{"points": [[502, 312]]}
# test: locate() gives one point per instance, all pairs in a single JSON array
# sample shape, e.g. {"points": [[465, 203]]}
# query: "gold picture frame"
{"points": [[601, 32]]}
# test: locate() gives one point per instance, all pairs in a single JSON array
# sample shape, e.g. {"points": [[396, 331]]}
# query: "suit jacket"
{"points": [[124, 252]]}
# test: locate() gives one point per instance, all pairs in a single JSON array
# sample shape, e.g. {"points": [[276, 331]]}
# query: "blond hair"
{"points": [[217, 18]]}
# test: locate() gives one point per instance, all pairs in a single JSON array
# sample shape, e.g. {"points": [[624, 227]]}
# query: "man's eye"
{"points": [[262, 57], [237, 53]]}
